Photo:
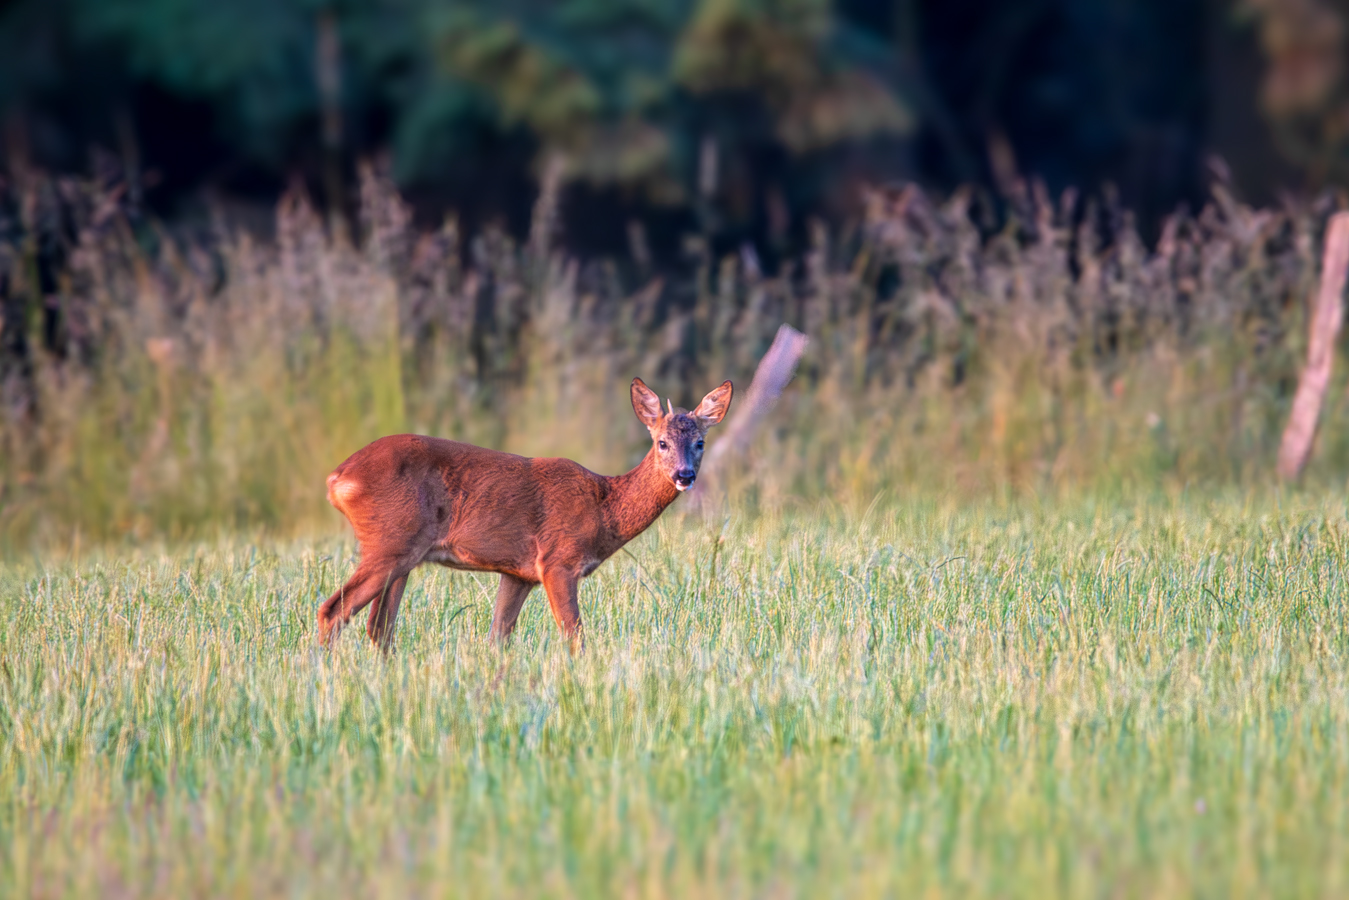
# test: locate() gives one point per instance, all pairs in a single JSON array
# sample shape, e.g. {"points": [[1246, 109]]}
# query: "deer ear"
{"points": [[645, 403], [714, 406]]}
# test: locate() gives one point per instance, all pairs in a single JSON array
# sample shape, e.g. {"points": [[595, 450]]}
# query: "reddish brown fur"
{"points": [[413, 499]]}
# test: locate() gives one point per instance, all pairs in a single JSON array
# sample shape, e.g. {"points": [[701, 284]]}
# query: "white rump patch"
{"points": [[342, 491]]}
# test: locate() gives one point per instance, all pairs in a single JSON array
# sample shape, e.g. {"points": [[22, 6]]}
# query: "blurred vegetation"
{"points": [[742, 117], [165, 375], [642, 96], [614, 84], [622, 88], [170, 386], [1305, 91]]}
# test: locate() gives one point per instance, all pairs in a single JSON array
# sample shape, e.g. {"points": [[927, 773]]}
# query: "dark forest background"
{"points": [[1034, 245], [739, 119]]}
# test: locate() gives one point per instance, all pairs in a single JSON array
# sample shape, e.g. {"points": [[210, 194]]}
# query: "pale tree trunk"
{"points": [[1326, 319]]}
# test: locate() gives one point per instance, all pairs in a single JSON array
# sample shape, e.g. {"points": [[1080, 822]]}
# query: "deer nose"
{"points": [[683, 479]]}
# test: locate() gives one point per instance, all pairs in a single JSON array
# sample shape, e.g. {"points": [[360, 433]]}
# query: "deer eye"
{"points": [[661, 445], [700, 445]]}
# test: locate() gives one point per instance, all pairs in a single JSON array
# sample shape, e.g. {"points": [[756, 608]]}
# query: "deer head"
{"points": [[677, 434]]}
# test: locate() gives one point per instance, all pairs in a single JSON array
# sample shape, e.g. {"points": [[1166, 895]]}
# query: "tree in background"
{"points": [[733, 113], [632, 91], [1305, 90], [643, 96]]}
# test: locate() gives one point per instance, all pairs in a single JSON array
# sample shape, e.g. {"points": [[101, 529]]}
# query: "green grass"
{"points": [[1123, 697]]}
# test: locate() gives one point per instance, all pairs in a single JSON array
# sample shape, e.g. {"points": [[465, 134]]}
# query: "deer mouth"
{"points": [[683, 484]]}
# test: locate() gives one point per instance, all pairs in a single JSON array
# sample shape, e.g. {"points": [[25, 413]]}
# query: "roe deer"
{"points": [[413, 499]]}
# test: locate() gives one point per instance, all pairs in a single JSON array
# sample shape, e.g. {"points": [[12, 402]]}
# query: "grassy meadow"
{"points": [[1076, 698], [1000, 600]]}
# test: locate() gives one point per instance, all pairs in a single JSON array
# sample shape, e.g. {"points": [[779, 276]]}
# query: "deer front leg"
{"points": [[511, 596], [561, 587]]}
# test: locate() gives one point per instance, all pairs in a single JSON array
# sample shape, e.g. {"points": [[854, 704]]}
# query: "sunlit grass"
{"points": [[1129, 697]]}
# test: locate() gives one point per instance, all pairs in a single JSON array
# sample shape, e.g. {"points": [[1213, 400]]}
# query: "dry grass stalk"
{"points": [[1049, 322]]}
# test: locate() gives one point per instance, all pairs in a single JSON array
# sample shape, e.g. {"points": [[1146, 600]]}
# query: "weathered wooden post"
{"points": [[1326, 319], [770, 377]]}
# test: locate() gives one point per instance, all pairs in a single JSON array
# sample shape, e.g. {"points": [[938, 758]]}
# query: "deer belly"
{"points": [[473, 559], [446, 556]]}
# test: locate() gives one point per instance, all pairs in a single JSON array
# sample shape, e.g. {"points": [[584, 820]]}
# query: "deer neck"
{"points": [[637, 499]]}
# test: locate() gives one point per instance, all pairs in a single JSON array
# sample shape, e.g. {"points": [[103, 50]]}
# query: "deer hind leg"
{"points": [[369, 581], [563, 599], [511, 596], [384, 614]]}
